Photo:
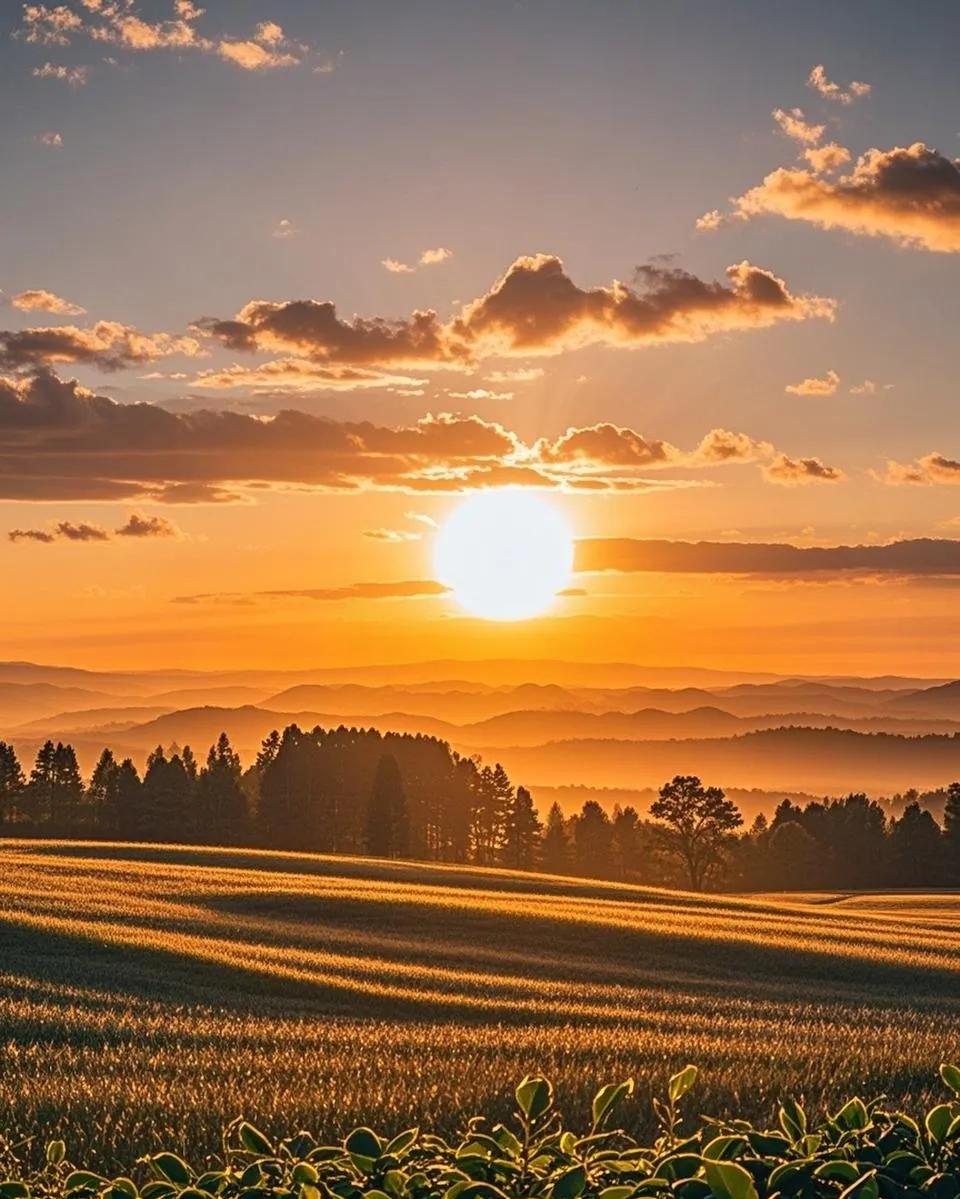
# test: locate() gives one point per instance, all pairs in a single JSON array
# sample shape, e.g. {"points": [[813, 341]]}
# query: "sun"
{"points": [[504, 554]]}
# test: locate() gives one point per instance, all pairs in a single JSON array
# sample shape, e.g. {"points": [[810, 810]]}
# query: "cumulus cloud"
{"points": [[39, 300], [793, 471], [825, 386], [395, 267], [75, 76], [53, 141], [481, 393], [928, 471], [435, 257], [107, 345], [283, 229], [796, 126], [910, 195], [147, 526], [533, 309], [121, 23], [136, 526], [59, 440], [922, 556], [820, 83], [825, 159]]}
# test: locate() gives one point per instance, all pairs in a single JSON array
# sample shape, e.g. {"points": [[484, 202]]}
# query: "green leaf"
{"points": [[254, 1141], [951, 1077], [363, 1142], [607, 1098], [864, 1188], [838, 1170], [173, 1168], [83, 1180], [793, 1119], [11, 1189], [56, 1152], [305, 1172], [723, 1148], [570, 1184], [126, 1186], [853, 1115], [938, 1121], [727, 1180], [534, 1097], [681, 1082], [402, 1142], [477, 1190]]}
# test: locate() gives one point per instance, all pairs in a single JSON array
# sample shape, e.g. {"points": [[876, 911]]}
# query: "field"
{"points": [[149, 994]]}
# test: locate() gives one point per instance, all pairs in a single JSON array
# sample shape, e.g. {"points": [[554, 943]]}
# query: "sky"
{"points": [[281, 284]]}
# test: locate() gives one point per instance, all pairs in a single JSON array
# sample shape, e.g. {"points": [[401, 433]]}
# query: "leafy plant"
{"points": [[861, 1151]]}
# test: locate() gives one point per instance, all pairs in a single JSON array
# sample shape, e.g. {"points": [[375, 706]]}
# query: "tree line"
{"points": [[393, 795]]}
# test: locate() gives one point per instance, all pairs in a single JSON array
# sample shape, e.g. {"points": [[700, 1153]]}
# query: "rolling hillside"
{"points": [[148, 994]]}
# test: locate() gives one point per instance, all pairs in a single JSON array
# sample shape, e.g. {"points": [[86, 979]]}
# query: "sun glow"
{"points": [[504, 554]]}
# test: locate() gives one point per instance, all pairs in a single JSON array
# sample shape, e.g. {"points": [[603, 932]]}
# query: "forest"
{"points": [[389, 795]]}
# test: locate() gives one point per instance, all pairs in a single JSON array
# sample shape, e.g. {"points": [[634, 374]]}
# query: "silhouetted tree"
{"points": [[794, 858], [102, 796], [592, 841], [12, 783], [130, 814], [951, 834], [555, 846], [626, 846], [699, 822], [55, 790], [387, 826], [915, 850], [522, 832], [168, 802], [221, 802]]}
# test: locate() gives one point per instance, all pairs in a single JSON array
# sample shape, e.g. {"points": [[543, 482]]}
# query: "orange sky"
{"points": [[277, 292]]}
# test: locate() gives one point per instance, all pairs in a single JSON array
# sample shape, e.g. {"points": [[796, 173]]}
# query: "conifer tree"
{"points": [[522, 832], [222, 803], [12, 783], [555, 846]]}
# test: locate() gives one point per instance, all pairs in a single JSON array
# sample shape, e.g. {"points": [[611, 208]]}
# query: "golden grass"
{"points": [[149, 994]]}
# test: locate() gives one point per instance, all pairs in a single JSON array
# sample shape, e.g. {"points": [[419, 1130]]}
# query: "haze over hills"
{"points": [[556, 727]]}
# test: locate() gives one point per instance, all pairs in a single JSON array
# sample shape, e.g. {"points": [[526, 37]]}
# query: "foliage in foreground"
{"points": [[862, 1151]]}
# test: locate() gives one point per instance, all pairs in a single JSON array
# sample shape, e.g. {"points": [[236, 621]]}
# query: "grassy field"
{"points": [[150, 994]]}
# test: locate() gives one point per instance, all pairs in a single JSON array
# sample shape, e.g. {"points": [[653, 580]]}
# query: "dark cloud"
{"points": [[147, 526], [405, 589], [909, 194], [793, 471], [923, 556], [534, 308], [107, 345]]}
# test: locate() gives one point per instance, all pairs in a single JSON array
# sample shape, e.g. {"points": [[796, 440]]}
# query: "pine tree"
{"points": [[555, 846], [130, 807], [12, 783], [386, 828], [222, 803], [522, 832], [593, 842], [626, 838], [951, 834], [102, 796]]}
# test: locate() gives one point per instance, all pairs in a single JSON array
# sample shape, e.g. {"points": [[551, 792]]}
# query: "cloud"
{"points": [[392, 536], [427, 258], [818, 80], [136, 526], [147, 526], [922, 556], [58, 440], [480, 393], [119, 23], [435, 257], [296, 375], [107, 345], [928, 471], [533, 309], [75, 76], [39, 300], [793, 471], [526, 374], [283, 228], [405, 589], [824, 159], [827, 386], [53, 141], [795, 125], [908, 194]]}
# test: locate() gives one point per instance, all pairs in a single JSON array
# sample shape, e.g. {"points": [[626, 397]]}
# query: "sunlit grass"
{"points": [[149, 994]]}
